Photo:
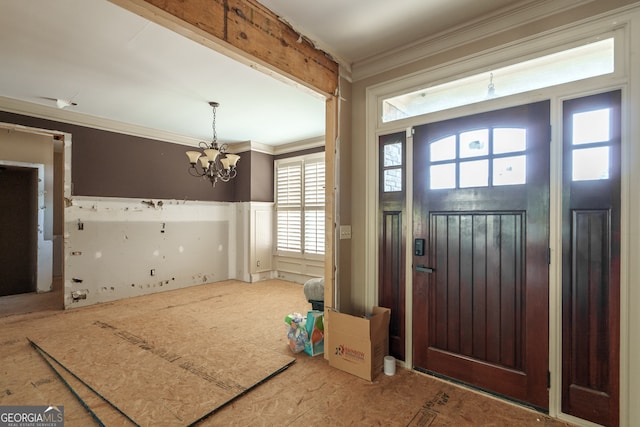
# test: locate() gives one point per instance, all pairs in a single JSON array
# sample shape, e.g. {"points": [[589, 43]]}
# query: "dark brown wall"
{"points": [[111, 164], [255, 177], [261, 177], [243, 180], [116, 165]]}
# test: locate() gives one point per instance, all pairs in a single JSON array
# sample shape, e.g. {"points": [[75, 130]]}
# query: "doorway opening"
{"points": [[32, 177], [18, 227]]}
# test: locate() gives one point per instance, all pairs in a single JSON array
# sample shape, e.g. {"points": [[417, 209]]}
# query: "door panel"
{"points": [[391, 293], [471, 319], [591, 258], [481, 201]]}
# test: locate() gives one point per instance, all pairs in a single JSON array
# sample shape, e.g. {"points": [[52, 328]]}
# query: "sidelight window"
{"points": [[590, 140], [392, 165]]}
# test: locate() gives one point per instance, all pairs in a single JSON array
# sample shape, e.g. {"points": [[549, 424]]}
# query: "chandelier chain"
{"points": [[213, 125]]}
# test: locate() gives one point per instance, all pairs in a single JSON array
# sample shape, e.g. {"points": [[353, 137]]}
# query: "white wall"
{"points": [[255, 241], [298, 269], [112, 246]]}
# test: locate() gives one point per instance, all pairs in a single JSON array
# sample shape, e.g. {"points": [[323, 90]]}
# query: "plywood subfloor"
{"points": [[308, 393], [164, 367]]}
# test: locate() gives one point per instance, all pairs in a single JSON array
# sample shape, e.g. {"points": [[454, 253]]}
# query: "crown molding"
{"points": [[16, 106], [518, 15], [245, 146], [306, 144], [292, 147], [345, 74]]}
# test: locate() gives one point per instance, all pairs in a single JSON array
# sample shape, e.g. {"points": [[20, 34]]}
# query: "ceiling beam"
{"points": [[248, 27]]}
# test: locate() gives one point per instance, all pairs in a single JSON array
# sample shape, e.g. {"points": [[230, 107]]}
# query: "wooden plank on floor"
{"points": [[140, 365], [26, 381], [101, 410]]}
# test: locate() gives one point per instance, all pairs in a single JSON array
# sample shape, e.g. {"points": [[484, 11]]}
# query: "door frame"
{"points": [[49, 251], [630, 203]]}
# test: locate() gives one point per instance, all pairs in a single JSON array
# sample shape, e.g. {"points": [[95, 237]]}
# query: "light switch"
{"points": [[345, 232]]}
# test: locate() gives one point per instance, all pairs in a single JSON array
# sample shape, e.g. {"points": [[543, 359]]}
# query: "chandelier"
{"points": [[215, 164]]}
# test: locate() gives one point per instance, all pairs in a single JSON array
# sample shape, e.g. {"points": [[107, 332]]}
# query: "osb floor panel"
{"points": [[308, 393], [162, 367], [106, 413]]}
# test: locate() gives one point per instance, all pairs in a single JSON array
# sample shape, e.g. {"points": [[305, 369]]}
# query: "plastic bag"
{"points": [[296, 332]]}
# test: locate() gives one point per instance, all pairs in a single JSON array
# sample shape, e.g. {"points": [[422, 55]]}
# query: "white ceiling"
{"points": [[355, 30], [118, 66]]}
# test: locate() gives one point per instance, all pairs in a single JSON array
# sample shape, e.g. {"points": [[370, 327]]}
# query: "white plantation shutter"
{"points": [[300, 205], [289, 230], [289, 206], [314, 207], [289, 185]]}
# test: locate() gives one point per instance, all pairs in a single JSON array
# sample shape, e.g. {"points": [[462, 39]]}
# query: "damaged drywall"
{"points": [[119, 248]]}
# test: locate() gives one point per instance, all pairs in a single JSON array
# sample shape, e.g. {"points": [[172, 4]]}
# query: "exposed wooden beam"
{"points": [[249, 27], [331, 135]]}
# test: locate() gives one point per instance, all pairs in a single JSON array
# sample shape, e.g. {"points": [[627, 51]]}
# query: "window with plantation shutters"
{"points": [[300, 205], [314, 207], [289, 206]]}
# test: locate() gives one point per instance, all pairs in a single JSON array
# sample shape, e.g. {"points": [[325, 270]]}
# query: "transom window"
{"points": [[570, 65], [479, 158]]}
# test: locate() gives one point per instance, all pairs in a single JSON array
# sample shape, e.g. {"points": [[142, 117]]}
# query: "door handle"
{"points": [[423, 269]]}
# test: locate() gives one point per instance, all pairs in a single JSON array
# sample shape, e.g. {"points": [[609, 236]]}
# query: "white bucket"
{"points": [[389, 365]]}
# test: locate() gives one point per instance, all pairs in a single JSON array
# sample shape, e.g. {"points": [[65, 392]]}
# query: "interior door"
{"points": [[591, 258], [481, 207]]}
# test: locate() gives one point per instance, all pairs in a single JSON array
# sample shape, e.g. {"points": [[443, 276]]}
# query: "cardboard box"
{"points": [[358, 344]]}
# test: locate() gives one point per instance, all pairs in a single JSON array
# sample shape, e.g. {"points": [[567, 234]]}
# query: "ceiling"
{"points": [[356, 30], [119, 67]]}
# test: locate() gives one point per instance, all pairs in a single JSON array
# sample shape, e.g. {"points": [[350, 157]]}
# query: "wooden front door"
{"points": [[481, 208], [591, 258]]}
